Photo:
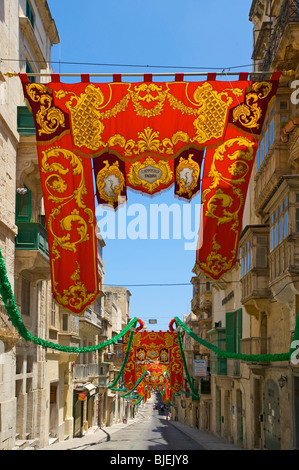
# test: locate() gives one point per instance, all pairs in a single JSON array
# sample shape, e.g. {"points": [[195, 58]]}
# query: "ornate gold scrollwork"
{"points": [[187, 174], [110, 182], [75, 225], [148, 141], [48, 117], [76, 296], [238, 169], [250, 112], [150, 174], [86, 116], [212, 112], [152, 92], [55, 183]]}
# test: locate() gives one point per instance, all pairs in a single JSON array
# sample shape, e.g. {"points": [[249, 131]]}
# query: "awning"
{"points": [[91, 388]]}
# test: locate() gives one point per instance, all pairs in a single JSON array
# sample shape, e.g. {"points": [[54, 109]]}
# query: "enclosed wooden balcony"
{"points": [[254, 247], [282, 52]]}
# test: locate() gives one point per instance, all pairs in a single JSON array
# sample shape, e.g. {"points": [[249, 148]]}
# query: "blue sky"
{"points": [[155, 36]]}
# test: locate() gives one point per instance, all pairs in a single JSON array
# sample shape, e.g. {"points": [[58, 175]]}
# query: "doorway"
{"points": [[53, 418], [272, 416]]}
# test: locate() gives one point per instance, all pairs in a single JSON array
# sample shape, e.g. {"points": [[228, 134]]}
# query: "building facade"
{"points": [[28, 32], [45, 394], [253, 308]]}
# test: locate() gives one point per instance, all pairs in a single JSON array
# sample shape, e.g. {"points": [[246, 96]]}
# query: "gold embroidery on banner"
{"points": [[85, 115], [47, 117], [238, 168], [148, 97], [211, 119], [53, 180], [149, 141], [160, 174], [249, 113], [76, 296], [209, 106], [216, 263], [187, 174], [110, 190], [53, 166]]}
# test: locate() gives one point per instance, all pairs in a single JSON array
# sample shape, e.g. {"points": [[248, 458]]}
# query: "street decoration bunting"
{"points": [[148, 136], [128, 335]]}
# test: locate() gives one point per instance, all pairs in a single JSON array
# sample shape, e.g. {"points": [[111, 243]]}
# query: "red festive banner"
{"points": [[226, 176], [146, 136], [159, 354]]}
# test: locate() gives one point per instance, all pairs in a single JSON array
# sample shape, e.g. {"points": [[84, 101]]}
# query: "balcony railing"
{"points": [[85, 371], [255, 345], [32, 236], [289, 14], [80, 372]]}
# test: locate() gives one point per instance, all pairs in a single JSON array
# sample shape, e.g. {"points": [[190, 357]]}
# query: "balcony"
{"points": [[85, 372], [284, 40], [29, 32], [254, 249], [103, 380], [32, 251], [233, 367], [90, 322], [218, 365], [255, 345], [80, 372], [201, 304], [32, 236]]}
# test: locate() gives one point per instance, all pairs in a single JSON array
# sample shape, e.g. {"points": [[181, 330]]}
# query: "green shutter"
{"points": [[25, 121], [29, 13], [23, 207], [230, 333], [239, 332]]}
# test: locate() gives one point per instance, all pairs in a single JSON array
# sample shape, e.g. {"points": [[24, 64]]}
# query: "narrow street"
{"points": [[151, 431]]}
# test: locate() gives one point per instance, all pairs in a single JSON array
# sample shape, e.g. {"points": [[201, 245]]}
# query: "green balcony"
{"points": [[32, 236]]}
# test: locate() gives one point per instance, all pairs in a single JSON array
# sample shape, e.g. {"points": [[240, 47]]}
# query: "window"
{"points": [[53, 313], [25, 297], [65, 322], [261, 252], [246, 263], [30, 13], [257, 159], [271, 132], [279, 224], [23, 207], [262, 151], [266, 142], [283, 105], [29, 69], [297, 220]]}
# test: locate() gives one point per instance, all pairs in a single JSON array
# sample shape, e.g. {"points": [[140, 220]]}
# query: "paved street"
{"points": [[150, 430]]}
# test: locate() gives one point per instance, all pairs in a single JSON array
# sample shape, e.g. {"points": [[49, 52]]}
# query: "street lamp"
{"points": [[282, 381]]}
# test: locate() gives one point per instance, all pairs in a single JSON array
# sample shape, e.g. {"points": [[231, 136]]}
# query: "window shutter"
{"points": [[23, 207], [230, 333], [239, 334]]}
